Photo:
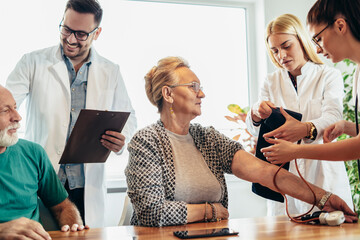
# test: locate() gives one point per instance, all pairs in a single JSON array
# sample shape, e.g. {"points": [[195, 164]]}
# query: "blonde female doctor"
{"points": [[301, 84]]}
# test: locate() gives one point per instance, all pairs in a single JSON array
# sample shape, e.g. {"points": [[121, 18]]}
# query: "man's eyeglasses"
{"points": [[194, 85], [315, 37], [79, 35]]}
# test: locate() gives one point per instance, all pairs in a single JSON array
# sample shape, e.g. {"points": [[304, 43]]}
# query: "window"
{"points": [[212, 39], [218, 40]]}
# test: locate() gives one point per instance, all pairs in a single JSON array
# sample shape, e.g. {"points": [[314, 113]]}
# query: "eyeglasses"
{"points": [[316, 40], [79, 35], [194, 85]]}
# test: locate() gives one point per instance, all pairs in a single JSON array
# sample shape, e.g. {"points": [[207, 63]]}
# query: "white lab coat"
{"points": [[42, 76], [318, 98]]}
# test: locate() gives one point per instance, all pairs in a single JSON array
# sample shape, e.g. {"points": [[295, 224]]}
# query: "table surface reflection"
{"points": [[280, 228]]}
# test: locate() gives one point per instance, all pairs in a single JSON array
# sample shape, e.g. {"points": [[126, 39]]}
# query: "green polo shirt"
{"points": [[26, 173]]}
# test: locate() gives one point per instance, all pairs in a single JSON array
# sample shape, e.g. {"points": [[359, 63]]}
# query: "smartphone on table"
{"points": [[205, 233]]}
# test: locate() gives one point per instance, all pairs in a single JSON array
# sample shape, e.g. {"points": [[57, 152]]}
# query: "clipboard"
{"points": [[84, 144]]}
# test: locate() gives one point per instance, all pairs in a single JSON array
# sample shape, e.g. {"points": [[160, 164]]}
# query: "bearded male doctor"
{"points": [[60, 81]]}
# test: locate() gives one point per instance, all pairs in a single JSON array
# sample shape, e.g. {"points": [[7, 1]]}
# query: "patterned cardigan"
{"points": [[150, 173]]}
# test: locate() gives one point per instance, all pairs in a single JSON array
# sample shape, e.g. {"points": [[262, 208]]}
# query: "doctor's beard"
{"points": [[6, 139]]}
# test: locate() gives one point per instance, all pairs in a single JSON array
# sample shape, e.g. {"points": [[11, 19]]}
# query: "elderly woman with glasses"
{"points": [[335, 26], [301, 84], [175, 173]]}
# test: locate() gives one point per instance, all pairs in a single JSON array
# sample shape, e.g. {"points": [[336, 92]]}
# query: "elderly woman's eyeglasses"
{"points": [[194, 85], [315, 38], [79, 35]]}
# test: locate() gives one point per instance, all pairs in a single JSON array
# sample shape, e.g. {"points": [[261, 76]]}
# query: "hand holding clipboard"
{"points": [[84, 145]]}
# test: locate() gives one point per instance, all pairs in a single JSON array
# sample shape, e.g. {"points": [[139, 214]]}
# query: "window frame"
{"points": [[256, 52]]}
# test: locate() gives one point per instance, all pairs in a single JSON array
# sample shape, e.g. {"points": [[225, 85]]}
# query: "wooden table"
{"points": [[279, 228]]}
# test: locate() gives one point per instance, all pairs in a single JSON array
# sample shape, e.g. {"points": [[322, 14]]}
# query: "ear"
{"points": [[167, 94], [341, 25], [97, 33]]}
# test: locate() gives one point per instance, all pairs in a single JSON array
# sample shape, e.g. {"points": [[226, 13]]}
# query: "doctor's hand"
{"points": [[333, 131], [292, 130], [114, 141], [263, 111], [281, 152], [334, 203]]}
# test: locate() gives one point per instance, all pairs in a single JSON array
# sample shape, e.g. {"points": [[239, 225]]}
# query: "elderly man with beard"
{"points": [[26, 174]]}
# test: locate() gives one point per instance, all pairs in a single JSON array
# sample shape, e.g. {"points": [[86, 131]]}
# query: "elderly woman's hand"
{"points": [[222, 212], [337, 204]]}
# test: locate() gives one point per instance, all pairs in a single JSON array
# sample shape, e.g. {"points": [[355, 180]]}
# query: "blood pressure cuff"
{"points": [[275, 120]]}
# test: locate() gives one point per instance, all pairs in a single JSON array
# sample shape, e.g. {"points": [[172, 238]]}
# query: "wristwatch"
{"points": [[313, 132]]}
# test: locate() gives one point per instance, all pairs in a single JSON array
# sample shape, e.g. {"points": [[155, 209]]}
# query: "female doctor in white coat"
{"points": [[301, 84], [334, 25]]}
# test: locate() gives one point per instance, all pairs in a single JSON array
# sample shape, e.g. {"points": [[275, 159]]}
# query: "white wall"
{"points": [[274, 8]]}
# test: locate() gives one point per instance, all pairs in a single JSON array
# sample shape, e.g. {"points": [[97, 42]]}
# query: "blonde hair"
{"points": [[162, 75], [290, 24]]}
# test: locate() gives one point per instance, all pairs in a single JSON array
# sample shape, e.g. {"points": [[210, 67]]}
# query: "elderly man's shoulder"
{"points": [[26, 146], [27, 143], [29, 153]]}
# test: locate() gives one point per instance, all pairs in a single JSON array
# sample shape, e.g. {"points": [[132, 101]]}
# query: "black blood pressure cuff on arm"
{"points": [[275, 120]]}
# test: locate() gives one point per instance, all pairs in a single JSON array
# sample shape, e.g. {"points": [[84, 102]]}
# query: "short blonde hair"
{"points": [[290, 24], [162, 75]]}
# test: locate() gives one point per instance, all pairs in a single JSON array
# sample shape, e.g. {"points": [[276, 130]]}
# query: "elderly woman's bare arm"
{"points": [[252, 169]]}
